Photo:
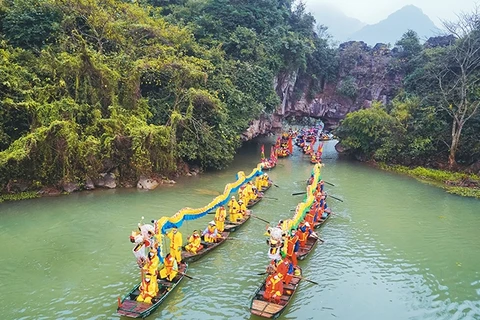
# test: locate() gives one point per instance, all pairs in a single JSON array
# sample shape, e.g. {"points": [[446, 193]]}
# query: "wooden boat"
{"points": [[253, 202], [207, 247], [303, 252], [267, 187], [131, 308], [233, 226], [272, 310], [320, 222]]}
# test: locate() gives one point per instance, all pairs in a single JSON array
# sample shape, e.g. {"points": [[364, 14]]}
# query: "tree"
{"points": [[457, 71]]}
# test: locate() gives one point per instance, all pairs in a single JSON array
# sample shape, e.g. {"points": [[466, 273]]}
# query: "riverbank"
{"points": [[459, 183]]}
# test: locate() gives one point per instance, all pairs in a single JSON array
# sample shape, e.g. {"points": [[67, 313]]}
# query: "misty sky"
{"points": [[372, 11]]}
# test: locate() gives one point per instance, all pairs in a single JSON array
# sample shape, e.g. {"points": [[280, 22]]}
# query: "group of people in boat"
{"points": [[150, 271], [283, 145], [237, 212], [284, 263]]}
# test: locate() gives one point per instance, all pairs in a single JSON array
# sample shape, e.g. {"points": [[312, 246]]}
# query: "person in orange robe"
{"points": [[274, 288], [291, 242]]}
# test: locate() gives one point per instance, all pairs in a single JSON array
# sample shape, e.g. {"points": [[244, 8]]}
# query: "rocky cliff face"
{"points": [[365, 75]]}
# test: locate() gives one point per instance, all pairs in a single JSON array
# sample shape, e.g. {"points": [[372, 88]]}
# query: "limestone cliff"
{"points": [[365, 74]]}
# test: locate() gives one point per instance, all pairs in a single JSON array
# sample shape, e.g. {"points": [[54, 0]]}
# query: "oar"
{"points": [[260, 218], [264, 197], [298, 193], [303, 278], [335, 198], [186, 275], [329, 183], [308, 280]]}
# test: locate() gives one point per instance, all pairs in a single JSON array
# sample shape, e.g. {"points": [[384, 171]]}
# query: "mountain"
{"points": [[340, 26], [391, 29]]}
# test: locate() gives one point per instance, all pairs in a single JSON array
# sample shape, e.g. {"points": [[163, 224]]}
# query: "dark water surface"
{"points": [[396, 249]]}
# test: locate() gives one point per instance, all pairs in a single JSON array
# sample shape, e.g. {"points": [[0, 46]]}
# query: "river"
{"points": [[395, 249]]}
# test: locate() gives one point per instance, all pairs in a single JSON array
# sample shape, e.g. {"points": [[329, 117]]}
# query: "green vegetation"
{"points": [[435, 120], [463, 184], [140, 87]]}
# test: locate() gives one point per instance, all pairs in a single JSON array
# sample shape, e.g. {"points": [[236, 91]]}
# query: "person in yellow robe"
{"points": [[210, 234], [170, 268], [233, 208], [148, 288], [194, 243], [220, 216], [151, 264], [242, 211], [176, 243]]}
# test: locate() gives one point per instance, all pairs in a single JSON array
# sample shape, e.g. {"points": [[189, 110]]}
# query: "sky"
{"points": [[373, 11]]}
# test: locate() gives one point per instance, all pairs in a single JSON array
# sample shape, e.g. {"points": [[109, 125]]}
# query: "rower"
{"points": [[148, 288], [242, 211], [170, 268], [210, 234], [273, 288], [194, 243]]}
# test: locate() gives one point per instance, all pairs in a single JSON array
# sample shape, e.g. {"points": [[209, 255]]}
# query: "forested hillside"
{"points": [[90, 87]]}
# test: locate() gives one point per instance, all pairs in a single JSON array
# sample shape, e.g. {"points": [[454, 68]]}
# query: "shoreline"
{"points": [[457, 183]]}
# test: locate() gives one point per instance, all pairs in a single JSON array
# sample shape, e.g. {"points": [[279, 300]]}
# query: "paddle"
{"points": [[264, 197], [335, 198], [259, 218], [298, 193], [186, 275], [303, 278], [308, 280]]}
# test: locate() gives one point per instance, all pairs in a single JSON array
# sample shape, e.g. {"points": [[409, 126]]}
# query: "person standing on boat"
{"points": [[151, 264], [274, 288], [285, 267], [220, 216], [176, 243], [233, 208], [210, 233], [291, 246], [148, 288], [302, 234], [170, 268], [194, 243]]}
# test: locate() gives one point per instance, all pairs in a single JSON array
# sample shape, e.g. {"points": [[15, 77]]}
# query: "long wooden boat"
{"points": [[233, 226], [266, 187], [131, 308], [253, 202], [303, 252], [272, 310], [320, 222], [207, 247]]}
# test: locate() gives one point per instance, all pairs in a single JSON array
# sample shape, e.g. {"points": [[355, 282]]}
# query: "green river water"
{"points": [[395, 249]]}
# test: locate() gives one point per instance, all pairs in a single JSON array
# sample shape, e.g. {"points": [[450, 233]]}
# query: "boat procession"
{"points": [[163, 255]]}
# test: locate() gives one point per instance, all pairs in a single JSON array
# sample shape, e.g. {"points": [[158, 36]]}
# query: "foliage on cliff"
{"points": [[435, 119], [93, 86]]}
